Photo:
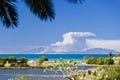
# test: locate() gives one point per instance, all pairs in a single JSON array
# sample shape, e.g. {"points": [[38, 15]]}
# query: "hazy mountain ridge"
{"points": [[89, 51], [36, 50], [100, 50]]}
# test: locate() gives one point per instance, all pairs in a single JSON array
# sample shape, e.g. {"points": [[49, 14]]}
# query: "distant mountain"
{"points": [[48, 49], [99, 50], [36, 50]]}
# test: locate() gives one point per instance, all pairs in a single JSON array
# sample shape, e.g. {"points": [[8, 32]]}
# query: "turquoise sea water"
{"points": [[55, 56]]}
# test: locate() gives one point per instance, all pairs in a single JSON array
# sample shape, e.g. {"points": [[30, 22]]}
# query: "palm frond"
{"points": [[42, 8], [75, 1], [8, 13]]}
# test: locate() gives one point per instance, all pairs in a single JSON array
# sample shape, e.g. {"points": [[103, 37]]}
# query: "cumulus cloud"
{"points": [[74, 37], [72, 41]]}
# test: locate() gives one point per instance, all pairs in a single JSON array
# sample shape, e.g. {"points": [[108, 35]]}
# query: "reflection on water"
{"points": [[6, 74]]}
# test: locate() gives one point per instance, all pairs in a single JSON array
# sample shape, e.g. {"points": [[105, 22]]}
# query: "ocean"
{"points": [[52, 57]]}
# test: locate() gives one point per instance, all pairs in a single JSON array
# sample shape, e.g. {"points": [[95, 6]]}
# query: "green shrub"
{"points": [[89, 72], [108, 73], [113, 73], [119, 62], [22, 62], [11, 59], [2, 61], [14, 62], [42, 59], [86, 58], [91, 60], [108, 61], [100, 61], [117, 55]]}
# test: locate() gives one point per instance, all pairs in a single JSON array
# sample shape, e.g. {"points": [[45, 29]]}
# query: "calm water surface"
{"points": [[6, 74]]}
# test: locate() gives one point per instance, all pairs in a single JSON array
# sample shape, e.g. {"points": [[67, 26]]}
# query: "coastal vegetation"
{"points": [[13, 62], [2, 62], [22, 62], [68, 68], [42, 59], [110, 73], [99, 61], [117, 58], [119, 62], [117, 55]]}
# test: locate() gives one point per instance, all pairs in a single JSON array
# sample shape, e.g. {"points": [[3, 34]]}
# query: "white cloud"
{"points": [[72, 41], [74, 37]]}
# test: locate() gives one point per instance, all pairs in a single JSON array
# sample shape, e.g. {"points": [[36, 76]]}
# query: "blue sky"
{"points": [[101, 17]]}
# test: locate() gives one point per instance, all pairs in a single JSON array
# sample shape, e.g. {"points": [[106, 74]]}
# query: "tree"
{"points": [[12, 60], [43, 9], [22, 62], [42, 59], [2, 61], [109, 54]]}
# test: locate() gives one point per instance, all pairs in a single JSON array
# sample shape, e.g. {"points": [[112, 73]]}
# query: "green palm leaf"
{"points": [[42, 8], [8, 14]]}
